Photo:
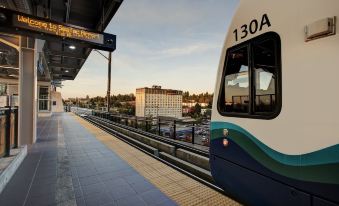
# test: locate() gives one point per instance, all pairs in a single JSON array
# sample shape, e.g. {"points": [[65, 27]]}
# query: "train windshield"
{"points": [[237, 82], [265, 72], [250, 82]]}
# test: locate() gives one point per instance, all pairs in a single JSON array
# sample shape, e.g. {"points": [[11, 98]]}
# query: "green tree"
{"points": [[185, 96], [197, 109], [209, 104]]}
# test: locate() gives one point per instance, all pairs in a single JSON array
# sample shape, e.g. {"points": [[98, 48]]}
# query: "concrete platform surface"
{"points": [[69, 166], [179, 187]]}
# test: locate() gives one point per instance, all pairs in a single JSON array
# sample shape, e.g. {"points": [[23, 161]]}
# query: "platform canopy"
{"points": [[60, 59]]}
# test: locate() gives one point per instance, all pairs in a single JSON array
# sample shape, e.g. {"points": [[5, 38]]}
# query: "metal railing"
{"points": [[173, 128], [8, 130]]}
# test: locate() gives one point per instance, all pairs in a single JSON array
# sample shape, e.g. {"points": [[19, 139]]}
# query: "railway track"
{"points": [[186, 168], [175, 143]]}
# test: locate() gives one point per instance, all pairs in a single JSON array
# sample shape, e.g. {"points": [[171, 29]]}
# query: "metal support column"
{"points": [[174, 130], [193, 133], [8, 132], [16, 124], [146, 125], [159, 126], [109, 82]]}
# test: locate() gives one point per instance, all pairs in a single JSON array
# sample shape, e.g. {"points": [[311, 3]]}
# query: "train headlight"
{"points": [[225, 142]]}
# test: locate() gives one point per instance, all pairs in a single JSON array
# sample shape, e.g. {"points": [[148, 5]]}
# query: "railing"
{"points": [[8, 130], [173, 128], [79, 110]]}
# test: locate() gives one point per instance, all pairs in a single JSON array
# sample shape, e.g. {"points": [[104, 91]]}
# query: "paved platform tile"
{"points": [[69, 166], [178, 187]]}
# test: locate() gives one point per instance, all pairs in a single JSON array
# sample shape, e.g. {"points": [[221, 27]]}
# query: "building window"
{"points": [[251, 82], [3, 89], [43, 98]]}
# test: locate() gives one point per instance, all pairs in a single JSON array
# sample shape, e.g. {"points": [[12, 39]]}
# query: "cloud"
{"points": [[163, 51], [175, 44], [188, 49], [150, 12]]}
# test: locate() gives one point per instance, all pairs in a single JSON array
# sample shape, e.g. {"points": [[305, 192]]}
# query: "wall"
{"points": [[57, 99]]}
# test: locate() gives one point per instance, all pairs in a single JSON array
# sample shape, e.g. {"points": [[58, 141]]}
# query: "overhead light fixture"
{"points": [[13, 75], [66, 70], [72, 47]]}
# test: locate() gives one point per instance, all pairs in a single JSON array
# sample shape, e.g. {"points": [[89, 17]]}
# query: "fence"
{"points": [[8, 130], [170, 128]]}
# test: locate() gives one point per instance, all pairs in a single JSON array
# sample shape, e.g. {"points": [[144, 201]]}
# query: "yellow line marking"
{"points": [[177, 186]]}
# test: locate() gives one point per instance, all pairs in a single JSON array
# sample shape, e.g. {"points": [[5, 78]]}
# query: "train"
{"points": [[274, 127]]}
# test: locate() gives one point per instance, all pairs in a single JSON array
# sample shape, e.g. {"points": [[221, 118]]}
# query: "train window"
{"points": [[251, 81], [265, 72], [237, 82]]}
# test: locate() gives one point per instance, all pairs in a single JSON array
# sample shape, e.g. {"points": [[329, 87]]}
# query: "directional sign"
{"points": [[26, 22], [23, 24]]}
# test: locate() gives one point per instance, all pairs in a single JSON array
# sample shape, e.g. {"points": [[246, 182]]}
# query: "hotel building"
{"points": [[154, 102]]}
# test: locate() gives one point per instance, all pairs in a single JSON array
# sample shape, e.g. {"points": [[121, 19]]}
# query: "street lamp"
{"points": [[109, 58]]}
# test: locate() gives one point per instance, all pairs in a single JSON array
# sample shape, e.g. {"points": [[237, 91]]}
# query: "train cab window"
{"points": [[237, 82], [251, 81], [265, 73]]}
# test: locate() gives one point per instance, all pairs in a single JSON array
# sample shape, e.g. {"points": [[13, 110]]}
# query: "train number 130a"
{"points": [[251, 28]]}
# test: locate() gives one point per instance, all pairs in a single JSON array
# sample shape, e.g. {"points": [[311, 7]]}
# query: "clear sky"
{"points": [[175, 44]]}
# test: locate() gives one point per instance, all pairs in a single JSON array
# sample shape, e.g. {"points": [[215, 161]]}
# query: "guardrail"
{"points": [[8, 130], [173, 129], [178, 144]]}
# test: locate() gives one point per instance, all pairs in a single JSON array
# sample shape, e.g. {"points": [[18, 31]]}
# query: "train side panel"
{"points": [[294, 156]]}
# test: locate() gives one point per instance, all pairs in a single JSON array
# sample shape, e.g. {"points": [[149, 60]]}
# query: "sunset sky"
{"points": [[175, 44]]}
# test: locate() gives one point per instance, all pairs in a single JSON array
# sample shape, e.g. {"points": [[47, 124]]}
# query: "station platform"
{"points": [[76, 163]]}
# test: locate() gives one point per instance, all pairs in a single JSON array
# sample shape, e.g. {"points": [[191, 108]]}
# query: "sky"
{"points": [[175, 44]]}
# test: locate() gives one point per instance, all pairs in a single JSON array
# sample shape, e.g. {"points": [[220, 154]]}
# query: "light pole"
{"points": [[109, 58], [109, 82]]}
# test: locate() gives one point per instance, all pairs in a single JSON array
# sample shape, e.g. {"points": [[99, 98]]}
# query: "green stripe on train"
{"points": [[318, 166]]}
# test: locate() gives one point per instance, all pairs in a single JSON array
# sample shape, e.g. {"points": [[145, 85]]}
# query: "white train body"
{"points": [[305, 122]]}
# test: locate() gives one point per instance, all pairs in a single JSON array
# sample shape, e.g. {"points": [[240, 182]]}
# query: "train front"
{"points": [[274, 128]]}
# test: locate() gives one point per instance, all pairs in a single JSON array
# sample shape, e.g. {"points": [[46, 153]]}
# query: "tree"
{"points": [[185, 96], [117, 104], [127, 109], [197, 109], [209, 104]]}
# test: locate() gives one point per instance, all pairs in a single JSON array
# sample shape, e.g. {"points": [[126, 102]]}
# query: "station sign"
{"points": [[23, 24], [26, 22]]}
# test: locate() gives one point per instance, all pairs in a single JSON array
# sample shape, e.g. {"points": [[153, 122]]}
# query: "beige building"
{"points": [[158, 102]]}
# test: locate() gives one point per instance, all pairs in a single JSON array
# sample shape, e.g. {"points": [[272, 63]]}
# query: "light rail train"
{"points": [[275, 118]]}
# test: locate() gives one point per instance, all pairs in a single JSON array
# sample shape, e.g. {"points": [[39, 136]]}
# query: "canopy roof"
{"points": [[58, 60]]}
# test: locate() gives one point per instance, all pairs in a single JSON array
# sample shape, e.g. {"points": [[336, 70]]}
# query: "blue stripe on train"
{"points": [[323, 156], [253, 183]]}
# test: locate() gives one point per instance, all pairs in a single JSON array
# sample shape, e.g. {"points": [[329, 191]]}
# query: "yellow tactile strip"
{"points": [[179, 187]]}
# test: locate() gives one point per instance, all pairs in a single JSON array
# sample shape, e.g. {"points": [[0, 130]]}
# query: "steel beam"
{"points": [[65, 54], [66, 66]]}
